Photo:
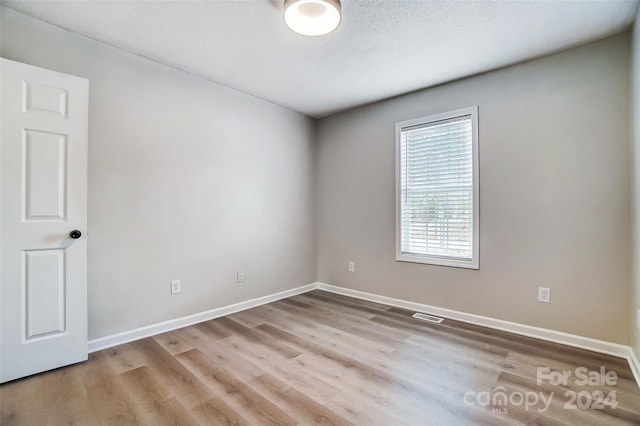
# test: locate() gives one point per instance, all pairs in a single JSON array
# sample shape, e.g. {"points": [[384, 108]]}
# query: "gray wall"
{"points": [[554, 194], [187, 180], [635, 124]]}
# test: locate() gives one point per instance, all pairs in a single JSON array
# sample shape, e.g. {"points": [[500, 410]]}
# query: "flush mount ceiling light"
{"points": [[312, 17]]}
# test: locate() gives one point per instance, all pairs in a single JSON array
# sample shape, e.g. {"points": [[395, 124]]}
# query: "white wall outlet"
{"points": [[352, 266], [544, 294], [240, 276], [176, 286], [638, 319]]}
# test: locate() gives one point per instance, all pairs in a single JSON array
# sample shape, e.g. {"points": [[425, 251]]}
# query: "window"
{"points": [[437, 189]]}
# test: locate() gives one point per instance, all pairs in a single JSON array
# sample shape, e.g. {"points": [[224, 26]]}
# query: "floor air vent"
{"points": [[429, 318]]}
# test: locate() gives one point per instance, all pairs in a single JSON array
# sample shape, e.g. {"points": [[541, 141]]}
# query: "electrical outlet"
{"points": [[352, 266], [176, 286], [544, 294], [638, 319], [240, 276]]}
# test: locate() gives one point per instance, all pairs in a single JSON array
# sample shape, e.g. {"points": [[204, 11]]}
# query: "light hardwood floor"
{"points": [[321, 358]]}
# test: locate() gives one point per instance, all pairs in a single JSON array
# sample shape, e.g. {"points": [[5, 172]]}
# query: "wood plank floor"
{"points": [[321, 358]]}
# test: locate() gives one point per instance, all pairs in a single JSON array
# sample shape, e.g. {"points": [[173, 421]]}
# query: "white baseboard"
{"points": [[582, 342], [568, 339], [162, 327]]}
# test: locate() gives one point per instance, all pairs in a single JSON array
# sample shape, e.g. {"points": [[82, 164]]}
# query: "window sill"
{"points": [[453, 263]]}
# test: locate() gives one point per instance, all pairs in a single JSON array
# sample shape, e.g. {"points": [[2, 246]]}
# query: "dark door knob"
{"points": [[75, 234]]}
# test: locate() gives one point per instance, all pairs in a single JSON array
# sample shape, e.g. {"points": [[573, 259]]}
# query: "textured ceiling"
{"points": [[383, 48]]}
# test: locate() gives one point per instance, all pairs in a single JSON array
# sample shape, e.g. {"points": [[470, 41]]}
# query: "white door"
{"points": [[43, 270]]}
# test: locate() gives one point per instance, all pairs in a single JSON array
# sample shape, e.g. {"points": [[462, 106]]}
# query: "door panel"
{"points": [[42, 98], [43, 272], [44, 171], [44, 281]]}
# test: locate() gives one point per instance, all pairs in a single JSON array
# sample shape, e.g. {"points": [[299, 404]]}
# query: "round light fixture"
{"points": [[312, 17]]}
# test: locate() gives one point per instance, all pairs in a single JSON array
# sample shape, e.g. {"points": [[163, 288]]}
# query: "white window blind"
{"points": [[437, 203]]}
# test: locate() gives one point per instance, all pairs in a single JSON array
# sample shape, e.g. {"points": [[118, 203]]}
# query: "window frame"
{"points": [[474, 263]]}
